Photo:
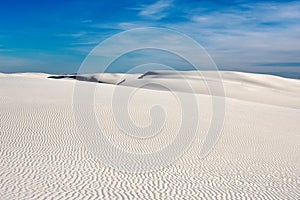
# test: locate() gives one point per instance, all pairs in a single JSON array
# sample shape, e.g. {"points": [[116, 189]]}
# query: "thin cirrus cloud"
{"points": [[157, 10], [74, 35], [237, 37], [20, 64], [248, 34]]}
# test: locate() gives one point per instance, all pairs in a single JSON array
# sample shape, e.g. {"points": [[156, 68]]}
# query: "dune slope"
{"points": [[42, 155]]}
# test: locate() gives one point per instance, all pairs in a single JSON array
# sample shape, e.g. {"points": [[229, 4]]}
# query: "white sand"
{"points": [[256, 157]]}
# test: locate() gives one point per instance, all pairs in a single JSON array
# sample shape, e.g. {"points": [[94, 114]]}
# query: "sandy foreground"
{"points": [[42, 155]]}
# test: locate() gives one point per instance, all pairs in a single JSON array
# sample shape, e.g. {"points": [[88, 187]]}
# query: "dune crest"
{"points": [[260, 88]]}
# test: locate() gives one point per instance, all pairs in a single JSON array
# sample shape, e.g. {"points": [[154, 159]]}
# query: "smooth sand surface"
{"points": [[42, 155]]}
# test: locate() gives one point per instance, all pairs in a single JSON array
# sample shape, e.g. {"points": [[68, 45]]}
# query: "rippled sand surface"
{"points": [[42, 155]]}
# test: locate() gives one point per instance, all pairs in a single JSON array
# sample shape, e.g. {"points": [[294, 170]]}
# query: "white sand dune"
{"points": [[42, 155], [268, 89]]}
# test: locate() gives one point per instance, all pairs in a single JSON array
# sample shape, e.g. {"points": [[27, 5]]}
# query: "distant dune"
{"points": [[268, 89], [42, 155]]}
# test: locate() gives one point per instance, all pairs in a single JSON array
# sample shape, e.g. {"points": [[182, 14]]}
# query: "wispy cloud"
{"points": [[74, 35], [123, 26], [156, 11], [235, 36], [248, 33], [3, 49], [87, 21], [7, 62], [40, 62], [6, 50], [85, 43]]}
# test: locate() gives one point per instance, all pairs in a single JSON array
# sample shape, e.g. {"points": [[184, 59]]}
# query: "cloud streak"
{"points": [[73, 35], [155, 11], [247, 34]]}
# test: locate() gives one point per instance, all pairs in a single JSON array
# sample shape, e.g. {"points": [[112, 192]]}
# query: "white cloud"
{"points": [[6, 50], [274, 12], [261, 33], [87, 21], [10, 61], [156, 11], [74, 35], [136, 24], [85, 43]]}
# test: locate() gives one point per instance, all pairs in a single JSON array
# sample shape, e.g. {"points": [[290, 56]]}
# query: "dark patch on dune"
{"points": [[147, 74], [77, 77], [119, 83], [57, 77]]}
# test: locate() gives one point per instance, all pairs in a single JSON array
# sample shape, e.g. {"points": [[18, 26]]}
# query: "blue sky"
{"points": [[55, 36]]}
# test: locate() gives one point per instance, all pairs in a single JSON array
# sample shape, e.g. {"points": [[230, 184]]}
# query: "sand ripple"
{"points": [[42, 156]]}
